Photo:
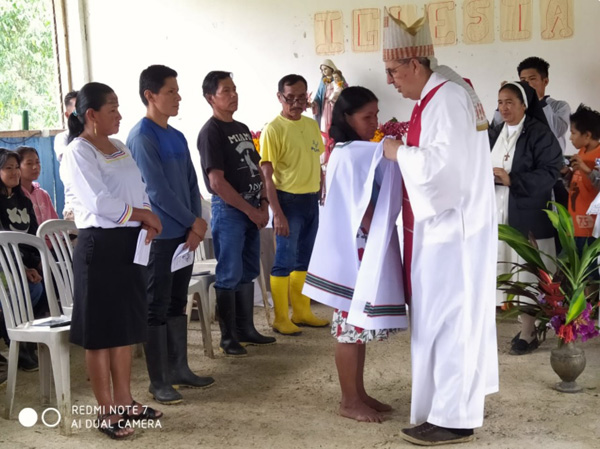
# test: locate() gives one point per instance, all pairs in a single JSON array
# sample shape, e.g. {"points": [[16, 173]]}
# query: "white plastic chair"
{"points": [[53, 343], [202, 261], [202, 264], [198, 291], [58, 232], [201, 284]]}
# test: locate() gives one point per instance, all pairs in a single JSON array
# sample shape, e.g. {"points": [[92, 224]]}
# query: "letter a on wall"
{"points": [[515, 20], [556, 18], [407, 13], [366, 30], [329, 33], [478, 21], [442, 22]]}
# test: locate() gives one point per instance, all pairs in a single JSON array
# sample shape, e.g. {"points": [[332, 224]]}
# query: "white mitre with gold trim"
{"points": [[403, 42]]}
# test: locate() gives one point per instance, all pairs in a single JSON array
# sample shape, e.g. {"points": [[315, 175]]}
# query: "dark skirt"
{"points": [[109, 304]]}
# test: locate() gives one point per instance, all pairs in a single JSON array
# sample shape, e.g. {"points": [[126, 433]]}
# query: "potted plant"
{"points": [[560, 297]]}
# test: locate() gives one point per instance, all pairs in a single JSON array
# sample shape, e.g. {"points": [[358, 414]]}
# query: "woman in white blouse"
{"points": [[111, 207]]}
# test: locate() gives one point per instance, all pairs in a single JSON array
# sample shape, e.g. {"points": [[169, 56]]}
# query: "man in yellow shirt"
{"points": [[291, 146]]}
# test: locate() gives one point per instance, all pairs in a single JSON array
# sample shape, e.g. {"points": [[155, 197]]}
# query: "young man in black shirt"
{"points": [[230, 166]]}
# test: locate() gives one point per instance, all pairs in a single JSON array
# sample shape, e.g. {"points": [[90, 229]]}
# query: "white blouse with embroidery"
{"points": [[105, 188]]}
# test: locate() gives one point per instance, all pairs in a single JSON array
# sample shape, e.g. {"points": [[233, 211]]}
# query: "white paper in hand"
{"points": [[182, 258], [142, 251]]}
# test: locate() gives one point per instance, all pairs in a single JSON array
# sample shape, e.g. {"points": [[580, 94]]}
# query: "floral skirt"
{"points": [[347, 333]]}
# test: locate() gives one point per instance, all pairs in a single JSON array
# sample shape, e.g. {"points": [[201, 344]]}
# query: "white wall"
{"points": [[262, 40]]}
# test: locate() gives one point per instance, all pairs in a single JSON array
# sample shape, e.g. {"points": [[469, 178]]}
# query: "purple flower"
{"points": [[541, 298], [557, 321], [583, 326]]}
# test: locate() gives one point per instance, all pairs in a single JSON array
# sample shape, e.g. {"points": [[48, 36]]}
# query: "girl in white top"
{"points": [[110, 206], [354, 119]]}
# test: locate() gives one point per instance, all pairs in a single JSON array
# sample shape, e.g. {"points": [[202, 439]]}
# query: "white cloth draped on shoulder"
{"points": [[372, 291]]}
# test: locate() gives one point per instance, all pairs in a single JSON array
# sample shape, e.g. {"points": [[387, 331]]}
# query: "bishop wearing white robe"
{"points": [[450, 240]]}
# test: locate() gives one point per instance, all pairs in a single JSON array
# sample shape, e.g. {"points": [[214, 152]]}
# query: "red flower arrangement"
{"points": [[392, 128], [560, 301]]}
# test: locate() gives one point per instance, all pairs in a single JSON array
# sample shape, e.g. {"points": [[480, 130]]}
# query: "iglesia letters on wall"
{"points": [[516, 18]]}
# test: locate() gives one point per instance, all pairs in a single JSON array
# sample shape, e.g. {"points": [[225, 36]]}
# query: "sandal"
{"points": [[112, 430], [148, 413]]}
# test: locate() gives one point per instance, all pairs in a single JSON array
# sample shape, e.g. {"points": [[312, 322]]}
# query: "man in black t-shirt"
{"points": [[239, 210]]}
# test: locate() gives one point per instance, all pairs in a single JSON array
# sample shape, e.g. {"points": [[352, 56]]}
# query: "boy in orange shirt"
{"points": [[584, 184]]}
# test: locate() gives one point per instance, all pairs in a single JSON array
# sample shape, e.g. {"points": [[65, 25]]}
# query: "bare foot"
{"points": [[360, 412], [376, 405]]}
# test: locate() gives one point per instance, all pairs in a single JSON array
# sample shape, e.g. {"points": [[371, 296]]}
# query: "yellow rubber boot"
{"points": [[280, 288], [302, 315]]}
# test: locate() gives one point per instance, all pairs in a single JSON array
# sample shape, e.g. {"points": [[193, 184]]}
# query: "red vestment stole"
{"points": [[408, 219]]}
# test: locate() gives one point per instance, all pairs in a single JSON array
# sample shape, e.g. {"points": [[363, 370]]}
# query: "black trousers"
{"points": [[167, 291]]}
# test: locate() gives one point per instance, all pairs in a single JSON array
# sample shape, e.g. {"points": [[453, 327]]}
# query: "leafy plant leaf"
{"points": [[576, 306]]}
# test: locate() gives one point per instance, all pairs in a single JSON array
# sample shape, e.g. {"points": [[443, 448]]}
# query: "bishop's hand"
{"points": [[390, 148]]}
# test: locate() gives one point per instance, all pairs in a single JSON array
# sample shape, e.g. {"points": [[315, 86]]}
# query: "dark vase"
{"points": [[568, 361]]}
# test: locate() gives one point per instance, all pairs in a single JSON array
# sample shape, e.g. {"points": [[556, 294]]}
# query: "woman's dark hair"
{"points": [[5, 155], [23, 151], [92, 95], [534, 107], [350, 100], [515, 90]]}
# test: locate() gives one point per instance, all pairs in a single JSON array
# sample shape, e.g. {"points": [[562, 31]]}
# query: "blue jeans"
{"points": [[302, 213], [236, 242]]}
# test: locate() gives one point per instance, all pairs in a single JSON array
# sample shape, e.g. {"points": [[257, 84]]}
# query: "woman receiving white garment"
{"points": [[350, 269], [111, 207], [526, 158]]}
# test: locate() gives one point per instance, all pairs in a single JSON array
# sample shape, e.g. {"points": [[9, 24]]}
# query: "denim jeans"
{"points": [[236, 242], [167, 290], [293, 252]]}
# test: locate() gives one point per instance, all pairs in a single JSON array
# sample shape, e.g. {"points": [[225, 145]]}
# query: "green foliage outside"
{"points": [[28, 75]]}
